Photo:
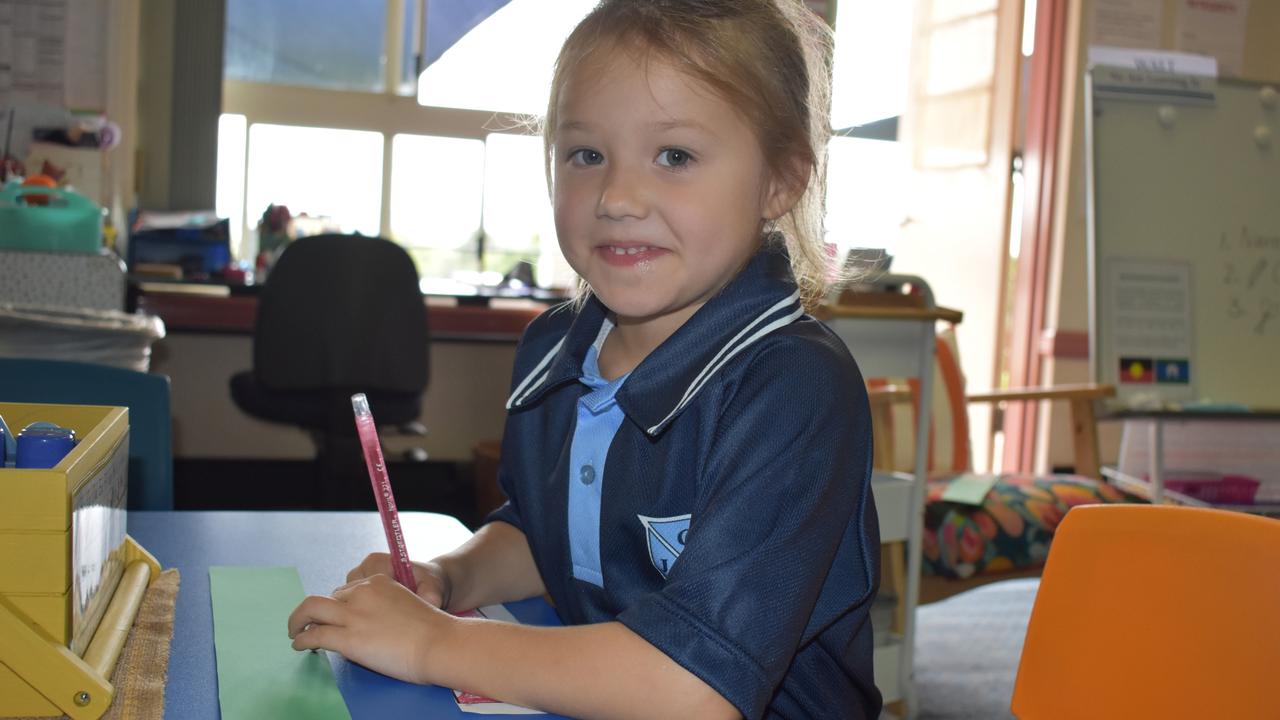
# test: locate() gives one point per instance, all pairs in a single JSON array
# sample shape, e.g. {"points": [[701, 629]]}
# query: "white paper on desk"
{"points": [[493, 707]]}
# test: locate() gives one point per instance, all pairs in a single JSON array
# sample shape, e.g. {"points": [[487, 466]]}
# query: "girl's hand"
{"points": [[433, 582], [376, 622]]}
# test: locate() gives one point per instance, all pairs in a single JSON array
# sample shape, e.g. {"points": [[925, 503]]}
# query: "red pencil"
{"points": [[381, 482]]}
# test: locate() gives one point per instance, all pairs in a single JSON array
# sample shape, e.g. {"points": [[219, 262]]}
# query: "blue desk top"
{"points": [[323, 546]]}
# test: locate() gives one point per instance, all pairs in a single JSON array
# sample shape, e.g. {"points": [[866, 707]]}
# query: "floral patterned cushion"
{"points": [[1013, 527]]}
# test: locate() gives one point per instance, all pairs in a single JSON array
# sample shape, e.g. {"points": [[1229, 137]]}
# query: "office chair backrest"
{"points": [[1155, 611], [146, 396], [342, 311]]}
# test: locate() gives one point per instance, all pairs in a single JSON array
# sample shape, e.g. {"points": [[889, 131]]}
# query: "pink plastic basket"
{"points": [[1214, 488]]}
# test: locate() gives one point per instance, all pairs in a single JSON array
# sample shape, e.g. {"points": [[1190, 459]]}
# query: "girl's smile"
{"points": [[629, 254]]}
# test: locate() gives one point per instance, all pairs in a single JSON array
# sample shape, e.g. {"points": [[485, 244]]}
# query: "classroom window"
{"points": [[233, 140], [436, 191], [504, 64], [867, 178], [461, 197], [870, 74], [444, 24], [518, 220], [322, 172], [466, 193], [866, 193], [336, 44]]}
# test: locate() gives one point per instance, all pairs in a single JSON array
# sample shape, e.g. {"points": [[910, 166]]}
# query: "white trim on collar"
{"points": [[725, 354], [730, 349], [546, 360]]}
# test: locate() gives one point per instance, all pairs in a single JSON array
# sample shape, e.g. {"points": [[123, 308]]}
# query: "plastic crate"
{"points": [[104, 337], [1214, 488]]}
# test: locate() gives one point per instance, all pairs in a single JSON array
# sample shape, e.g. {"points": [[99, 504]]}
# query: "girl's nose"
{"points": [[622, 195]]}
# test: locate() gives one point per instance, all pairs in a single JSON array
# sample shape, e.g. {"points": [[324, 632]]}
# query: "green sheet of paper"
{"points": [[259, 674], [969, 489]]}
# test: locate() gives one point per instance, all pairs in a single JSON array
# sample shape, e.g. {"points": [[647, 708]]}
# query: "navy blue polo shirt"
{"points": [[735, 523]]}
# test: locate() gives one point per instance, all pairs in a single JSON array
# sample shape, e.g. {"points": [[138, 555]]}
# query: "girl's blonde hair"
{"points": [[770, 59]]}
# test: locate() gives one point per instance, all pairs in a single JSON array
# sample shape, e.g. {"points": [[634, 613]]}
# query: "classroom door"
{"points": [[959, 131]]}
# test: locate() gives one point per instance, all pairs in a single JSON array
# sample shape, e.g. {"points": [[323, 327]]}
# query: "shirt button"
{"points": [[587, 474]]}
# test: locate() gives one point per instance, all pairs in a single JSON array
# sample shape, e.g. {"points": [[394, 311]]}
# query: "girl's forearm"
{"points": [[590, 671], [494, 566]]}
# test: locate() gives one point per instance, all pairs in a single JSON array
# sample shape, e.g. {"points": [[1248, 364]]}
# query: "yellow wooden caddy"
{"points": [[71, 580]]}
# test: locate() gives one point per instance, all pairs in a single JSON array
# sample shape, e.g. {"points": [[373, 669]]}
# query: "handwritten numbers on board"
{"points": [[1269, 308], [1251, 272], [1256, 273]]}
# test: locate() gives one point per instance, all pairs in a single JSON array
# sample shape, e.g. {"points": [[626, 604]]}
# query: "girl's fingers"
{"points": [[349, 584], [343, 592], [431, 595], [320, 637], [315, 610], [373, 564]]}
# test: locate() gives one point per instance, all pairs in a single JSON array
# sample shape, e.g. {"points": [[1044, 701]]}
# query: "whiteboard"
{"points": [[1184, 246]]}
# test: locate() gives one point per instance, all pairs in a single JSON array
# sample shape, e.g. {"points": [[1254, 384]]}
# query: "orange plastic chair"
{"points": [[1155, 612]]}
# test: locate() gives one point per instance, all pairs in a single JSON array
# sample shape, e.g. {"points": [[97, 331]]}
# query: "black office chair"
{"points": [[339, 314]]}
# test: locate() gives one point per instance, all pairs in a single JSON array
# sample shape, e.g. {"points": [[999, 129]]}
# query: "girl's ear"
{"points": [[785, 188]]}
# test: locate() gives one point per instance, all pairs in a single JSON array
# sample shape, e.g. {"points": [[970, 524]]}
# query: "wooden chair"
{"points": [[1009, 535], [1155, 611], [1084, 419]]}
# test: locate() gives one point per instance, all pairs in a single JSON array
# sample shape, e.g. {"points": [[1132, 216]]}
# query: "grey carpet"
{"points": [[967, 650]]}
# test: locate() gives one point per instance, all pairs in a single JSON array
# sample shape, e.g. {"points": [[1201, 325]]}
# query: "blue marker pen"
{"points": [[43, 445], [8, 445]]}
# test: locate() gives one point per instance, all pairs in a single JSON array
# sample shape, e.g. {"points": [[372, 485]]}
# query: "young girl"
{"points": [[687, 454]]}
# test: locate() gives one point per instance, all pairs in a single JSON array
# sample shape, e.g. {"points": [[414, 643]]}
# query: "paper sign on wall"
{"points": [[1214, 27], [1127, 23], [1148, 318]]}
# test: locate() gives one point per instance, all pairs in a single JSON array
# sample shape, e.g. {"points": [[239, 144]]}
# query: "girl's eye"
{"points": [[586, 156], [674, 157]]}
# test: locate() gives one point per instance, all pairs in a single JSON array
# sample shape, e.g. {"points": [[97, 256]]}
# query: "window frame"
{"points": [[387, 112], [391, 113]]}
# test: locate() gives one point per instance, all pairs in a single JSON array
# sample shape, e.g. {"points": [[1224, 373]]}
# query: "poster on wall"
{"points": [[1127, 23], [53, 53], [1214, 27], [1146, 316]]}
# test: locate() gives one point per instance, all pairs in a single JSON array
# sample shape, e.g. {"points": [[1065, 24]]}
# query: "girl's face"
{"points": [[660, 188]]}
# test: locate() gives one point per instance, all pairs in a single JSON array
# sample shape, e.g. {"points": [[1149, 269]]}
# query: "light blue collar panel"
{"points": [[598, 419]]}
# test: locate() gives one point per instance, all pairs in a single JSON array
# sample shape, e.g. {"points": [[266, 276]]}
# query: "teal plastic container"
{"points": [[70, 222]]}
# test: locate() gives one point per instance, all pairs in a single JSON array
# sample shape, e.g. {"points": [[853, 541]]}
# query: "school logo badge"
{"points": [[666, 539]]}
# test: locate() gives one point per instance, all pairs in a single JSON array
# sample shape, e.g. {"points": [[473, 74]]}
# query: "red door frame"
{"points": [[1040, 158]]}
